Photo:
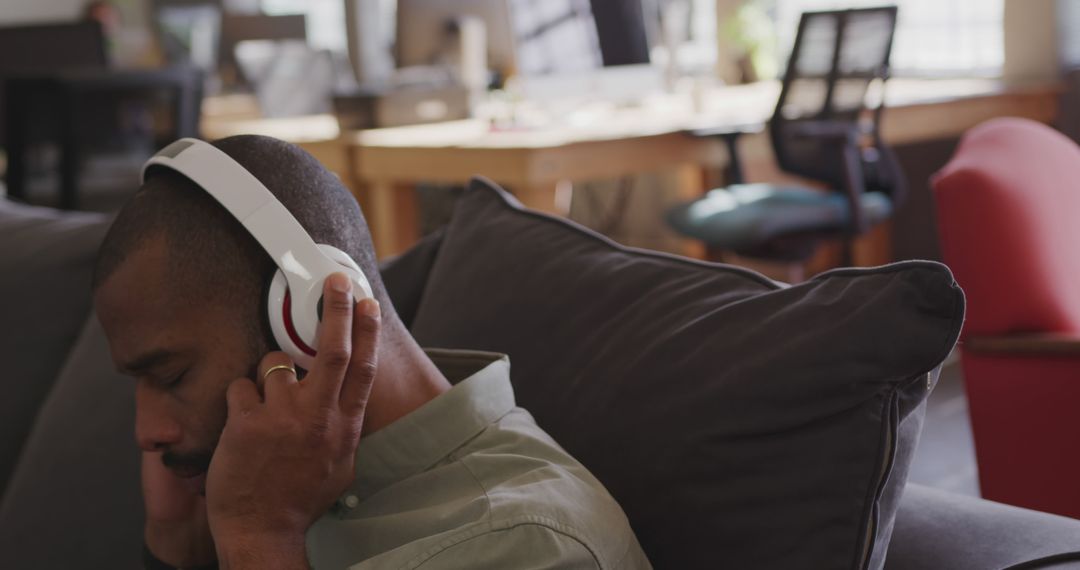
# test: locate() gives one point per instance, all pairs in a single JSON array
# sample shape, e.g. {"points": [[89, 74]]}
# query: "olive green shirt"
{"points": [[470, 481]]}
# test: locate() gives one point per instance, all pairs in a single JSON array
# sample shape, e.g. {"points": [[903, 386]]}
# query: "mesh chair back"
{"points": [[836, 57]]}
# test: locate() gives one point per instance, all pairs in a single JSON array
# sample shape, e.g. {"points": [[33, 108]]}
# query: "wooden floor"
{"points": [[945, 458]]}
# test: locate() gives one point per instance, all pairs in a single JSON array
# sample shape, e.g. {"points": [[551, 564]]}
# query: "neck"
{"points": [[406, 379]]}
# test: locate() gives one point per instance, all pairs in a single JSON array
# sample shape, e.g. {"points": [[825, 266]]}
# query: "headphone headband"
{"points": [[276, 230], [303, 264]]}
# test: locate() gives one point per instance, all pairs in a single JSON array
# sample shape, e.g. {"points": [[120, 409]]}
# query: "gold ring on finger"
{"points": [[278, 367]]}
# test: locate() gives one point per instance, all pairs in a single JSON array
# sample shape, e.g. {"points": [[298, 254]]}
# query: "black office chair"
{"points": [[818, 131]]}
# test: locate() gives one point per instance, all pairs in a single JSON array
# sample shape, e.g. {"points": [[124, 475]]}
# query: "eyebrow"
{"points": [[146, 361]]}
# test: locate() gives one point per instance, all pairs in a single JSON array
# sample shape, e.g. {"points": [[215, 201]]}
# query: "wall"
{"points": [[1031, 41], [19, 11]]}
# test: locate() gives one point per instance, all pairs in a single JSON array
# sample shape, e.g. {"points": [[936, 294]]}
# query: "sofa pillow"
{"points": [[405, 276], [739, 422], [45, 267]]}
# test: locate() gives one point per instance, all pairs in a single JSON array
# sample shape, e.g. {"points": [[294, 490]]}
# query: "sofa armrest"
{"points": [[1025, 345], [938, 529]]}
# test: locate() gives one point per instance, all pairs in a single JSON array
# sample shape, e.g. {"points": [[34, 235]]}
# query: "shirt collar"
{"points": [[481, 395]]}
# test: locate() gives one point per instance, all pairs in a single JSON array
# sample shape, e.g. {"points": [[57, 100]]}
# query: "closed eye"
{"points": [[174, 381]]}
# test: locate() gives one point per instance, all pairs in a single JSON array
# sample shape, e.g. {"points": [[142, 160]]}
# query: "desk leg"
{"points": [[690, 183], [393, 217]]}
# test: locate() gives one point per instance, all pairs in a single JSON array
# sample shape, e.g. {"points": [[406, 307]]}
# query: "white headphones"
{"points": [[295, 302]]}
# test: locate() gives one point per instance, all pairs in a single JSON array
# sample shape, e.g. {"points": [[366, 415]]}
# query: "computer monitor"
{"points": [[624, 31], [595, 49], [535, 39], [423, 31], [553, 37]]}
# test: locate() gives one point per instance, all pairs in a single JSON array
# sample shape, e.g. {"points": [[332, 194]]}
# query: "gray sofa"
{"points": [[68, 463]]}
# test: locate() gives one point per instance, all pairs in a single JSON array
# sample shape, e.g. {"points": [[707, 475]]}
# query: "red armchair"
{"points": [[1009, 219]]}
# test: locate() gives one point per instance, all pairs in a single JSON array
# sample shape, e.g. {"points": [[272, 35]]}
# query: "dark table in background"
{"points": [[55, 100]]}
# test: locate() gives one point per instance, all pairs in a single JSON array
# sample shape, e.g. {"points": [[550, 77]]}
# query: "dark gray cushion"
{"points": [[46, 262], [936, 529], [74, 500], [740, 423], [406, 275]]}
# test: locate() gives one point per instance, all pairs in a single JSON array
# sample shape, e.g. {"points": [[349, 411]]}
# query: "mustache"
{"points": [[187, 462]]}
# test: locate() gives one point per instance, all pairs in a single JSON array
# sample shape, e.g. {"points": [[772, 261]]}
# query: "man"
{"points": [[382, 456]]}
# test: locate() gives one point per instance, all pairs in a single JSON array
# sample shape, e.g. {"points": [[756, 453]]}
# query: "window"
{"points": [[687, 26], [325, 20], [554, 36], [1068, 18], [933, 37]]}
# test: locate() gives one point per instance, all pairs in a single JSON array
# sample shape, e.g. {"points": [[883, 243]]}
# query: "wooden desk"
{"points": [[531, 164], [613, 143], [380, 165]]}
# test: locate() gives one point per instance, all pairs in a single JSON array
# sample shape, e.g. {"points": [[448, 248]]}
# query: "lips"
{"points": [[191, 477], [197, 483], [186, 472]]}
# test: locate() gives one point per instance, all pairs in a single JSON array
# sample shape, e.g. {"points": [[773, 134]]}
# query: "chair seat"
{"points": [[745, 216]]}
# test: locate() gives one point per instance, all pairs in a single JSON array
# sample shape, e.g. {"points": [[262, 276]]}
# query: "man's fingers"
{"points": [[364, 363], [335, 338], [242, 397], [275, 372]]}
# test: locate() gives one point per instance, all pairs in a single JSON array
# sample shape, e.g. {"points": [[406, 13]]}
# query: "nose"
{"points": [[155, 428]]}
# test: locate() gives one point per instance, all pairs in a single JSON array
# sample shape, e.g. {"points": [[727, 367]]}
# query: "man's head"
{"points": [[180, 290]]}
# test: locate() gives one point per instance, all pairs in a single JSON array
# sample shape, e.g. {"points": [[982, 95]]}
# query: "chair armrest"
{"points": [[726, 131], [1025, 344]]}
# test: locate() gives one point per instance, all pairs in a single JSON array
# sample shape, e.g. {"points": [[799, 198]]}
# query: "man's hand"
{"points": [[177, 531], [285, 457]]}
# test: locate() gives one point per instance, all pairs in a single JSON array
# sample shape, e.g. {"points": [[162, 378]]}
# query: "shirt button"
{"points": [[351, 501]]}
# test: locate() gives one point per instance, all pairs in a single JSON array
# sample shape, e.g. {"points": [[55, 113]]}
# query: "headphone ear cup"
{"points": [[279, 309], [351, 268], [279, 313]]}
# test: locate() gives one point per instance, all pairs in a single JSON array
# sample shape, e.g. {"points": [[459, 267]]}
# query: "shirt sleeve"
{"points": [[521, 547]]}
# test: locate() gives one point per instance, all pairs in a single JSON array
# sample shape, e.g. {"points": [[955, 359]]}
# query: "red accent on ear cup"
{"points": [[286, 308]]}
